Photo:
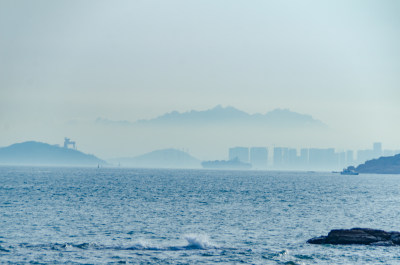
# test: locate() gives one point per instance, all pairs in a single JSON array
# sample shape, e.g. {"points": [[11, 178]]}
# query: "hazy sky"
{"points": [[64, 61]]}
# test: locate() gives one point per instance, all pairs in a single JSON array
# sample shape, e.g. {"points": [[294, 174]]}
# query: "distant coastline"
{"points": [[43, 154]]}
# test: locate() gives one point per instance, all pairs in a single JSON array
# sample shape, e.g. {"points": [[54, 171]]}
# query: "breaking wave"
{"points": [[194, 241], [199, 242]]}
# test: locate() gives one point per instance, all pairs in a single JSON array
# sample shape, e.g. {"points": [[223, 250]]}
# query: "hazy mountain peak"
{"points": [[104, 121], [289, 115], [220, 115], [222, 108], [162, 158], [230, 115]]}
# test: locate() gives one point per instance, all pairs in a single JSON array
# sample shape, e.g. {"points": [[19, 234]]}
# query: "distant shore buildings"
{"points": [[286, 158], [256, 156]]}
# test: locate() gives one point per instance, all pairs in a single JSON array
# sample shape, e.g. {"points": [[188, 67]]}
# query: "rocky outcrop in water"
{"points": [[361, 236]]}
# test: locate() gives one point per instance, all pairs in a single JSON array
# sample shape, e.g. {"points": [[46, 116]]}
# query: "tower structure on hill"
{"points": [[68, 142]]}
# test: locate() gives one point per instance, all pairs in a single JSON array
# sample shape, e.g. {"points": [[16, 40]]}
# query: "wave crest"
{"points": [[196, 241]]}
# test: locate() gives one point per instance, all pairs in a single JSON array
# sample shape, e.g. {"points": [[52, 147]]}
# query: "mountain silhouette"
{"points": [[37, 153], [226, 116], [165, 158]]}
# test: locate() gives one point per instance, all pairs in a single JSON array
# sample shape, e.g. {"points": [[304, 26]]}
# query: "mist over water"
{"points": [[106, 216]]}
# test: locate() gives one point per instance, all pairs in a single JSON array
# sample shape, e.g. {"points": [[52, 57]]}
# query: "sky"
{"points": [[63, 64]]}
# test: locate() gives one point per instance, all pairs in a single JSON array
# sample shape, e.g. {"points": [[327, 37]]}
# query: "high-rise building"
{"points": [[349, 158], [278, 157], [291, 159], [259, 157], [364, 155], [303, 163], [341, 158], [241, 153], [322, 159], [388, 152], [377, 147]]}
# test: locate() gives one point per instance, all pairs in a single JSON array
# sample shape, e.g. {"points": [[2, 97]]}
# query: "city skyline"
{"points": [[277, 158]]}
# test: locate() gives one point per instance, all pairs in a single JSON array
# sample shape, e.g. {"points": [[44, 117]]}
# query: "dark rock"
{"points": [[361, 236], [395, 238]]}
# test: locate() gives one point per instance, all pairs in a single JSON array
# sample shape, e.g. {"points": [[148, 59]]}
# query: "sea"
{"points": [[166, 216]]}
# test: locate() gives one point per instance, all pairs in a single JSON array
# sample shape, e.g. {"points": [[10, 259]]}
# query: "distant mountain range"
{"points": [[165, 158], [226, 116], [36, 153]]}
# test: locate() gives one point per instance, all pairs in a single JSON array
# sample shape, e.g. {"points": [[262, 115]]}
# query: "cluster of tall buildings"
{"points": [[306, 158], [257, 156]]}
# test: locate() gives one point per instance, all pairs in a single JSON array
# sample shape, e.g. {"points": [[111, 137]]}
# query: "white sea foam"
{"points": [[141, 244], [197, 241]]}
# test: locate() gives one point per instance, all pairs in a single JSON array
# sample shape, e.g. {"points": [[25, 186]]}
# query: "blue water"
{"points": [[137, 216]]}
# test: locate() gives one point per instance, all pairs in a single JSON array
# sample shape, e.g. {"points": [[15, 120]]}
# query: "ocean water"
{"points": [[145, 216]]}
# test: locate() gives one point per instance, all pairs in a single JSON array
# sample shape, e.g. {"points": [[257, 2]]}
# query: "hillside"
{"points": [[165, 158], [382, 165], [36, 153]]}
